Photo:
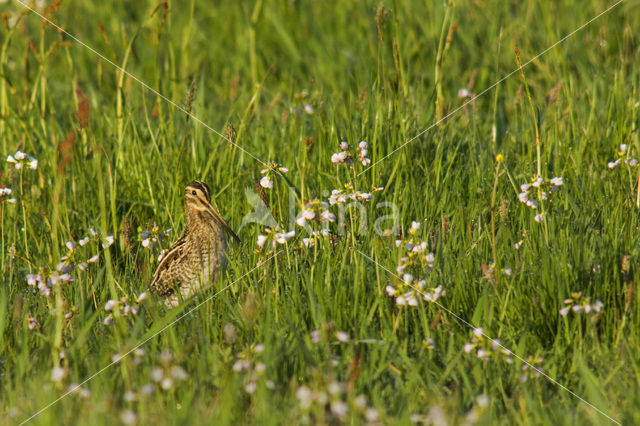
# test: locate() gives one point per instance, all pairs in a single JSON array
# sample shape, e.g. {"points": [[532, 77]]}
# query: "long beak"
{"points": [[222, 222]]}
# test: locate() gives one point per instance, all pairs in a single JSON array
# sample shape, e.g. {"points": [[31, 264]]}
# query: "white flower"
{"points": [[31, 279], [108, 241], [482, 354], [94, 259], [266, 182], [518, 245], [305, 396], [157, 374], [407, 278], [33, 164], [532, 203], [335, 388], [523, 197], [478, 332], [142, 296], [400, 300], [468, 347], [83, 241], [250, 387], [128, 417], [482, 400], [116, 358], [20, 155], [107, 320], [146, 389], [110, 305], [178, 373], [538, 218], [308, 214], [167, 383], [316, 336], [261, 240], [344, 146], [58, 374], [308, 109], [597, 306], [282, 238], [327, 216], [623, 147], [339, 408], [342, 336], [391, 291], [613, 164], [557, 181], [11, 159], [536, 183], [633, 162], [146, 243], [259, 348], [464, 93]]}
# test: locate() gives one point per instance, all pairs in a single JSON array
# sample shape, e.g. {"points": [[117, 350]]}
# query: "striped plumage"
{"points": [[193, 262]]}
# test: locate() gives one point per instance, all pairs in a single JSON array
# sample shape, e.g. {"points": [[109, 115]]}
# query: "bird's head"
{"points": [[197, 201]]}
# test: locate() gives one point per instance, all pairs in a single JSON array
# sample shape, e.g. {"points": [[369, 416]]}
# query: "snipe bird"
{"points": [[194, 261]]}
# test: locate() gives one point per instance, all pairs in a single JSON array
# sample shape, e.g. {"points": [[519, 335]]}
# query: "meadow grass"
{"points": [[311, 331]]}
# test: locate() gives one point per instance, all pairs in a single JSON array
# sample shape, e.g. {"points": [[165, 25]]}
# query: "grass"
{"points": [[295, 80]]}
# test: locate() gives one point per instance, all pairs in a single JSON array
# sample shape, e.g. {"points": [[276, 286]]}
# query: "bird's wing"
{"points": [[164, 278]]}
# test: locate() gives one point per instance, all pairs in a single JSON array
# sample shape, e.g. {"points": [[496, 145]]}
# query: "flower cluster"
{"points": [[149, 237], [316, 236], [577, 303], [415, 260], [46, 280], [315, 211], [272, 238], [485, 347], [341, 196], [327, 333], [331, 398], [5, 195], [21, 160], [78, 256], [247, 363], [167, 372], [73, 256], [31, 322], [624, 156], [347, 154], [531, 368], [537, 191], [123, 307], [267, 180]]}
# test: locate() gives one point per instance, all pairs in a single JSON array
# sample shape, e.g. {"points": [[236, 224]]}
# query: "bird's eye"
{"points": [[193, 192]]}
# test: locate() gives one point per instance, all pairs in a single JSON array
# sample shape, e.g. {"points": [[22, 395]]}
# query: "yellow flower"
{"points": [[499, 158]]}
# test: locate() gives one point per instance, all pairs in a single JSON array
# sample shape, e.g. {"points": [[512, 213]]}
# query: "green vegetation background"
{"points": [[380, 72]]}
